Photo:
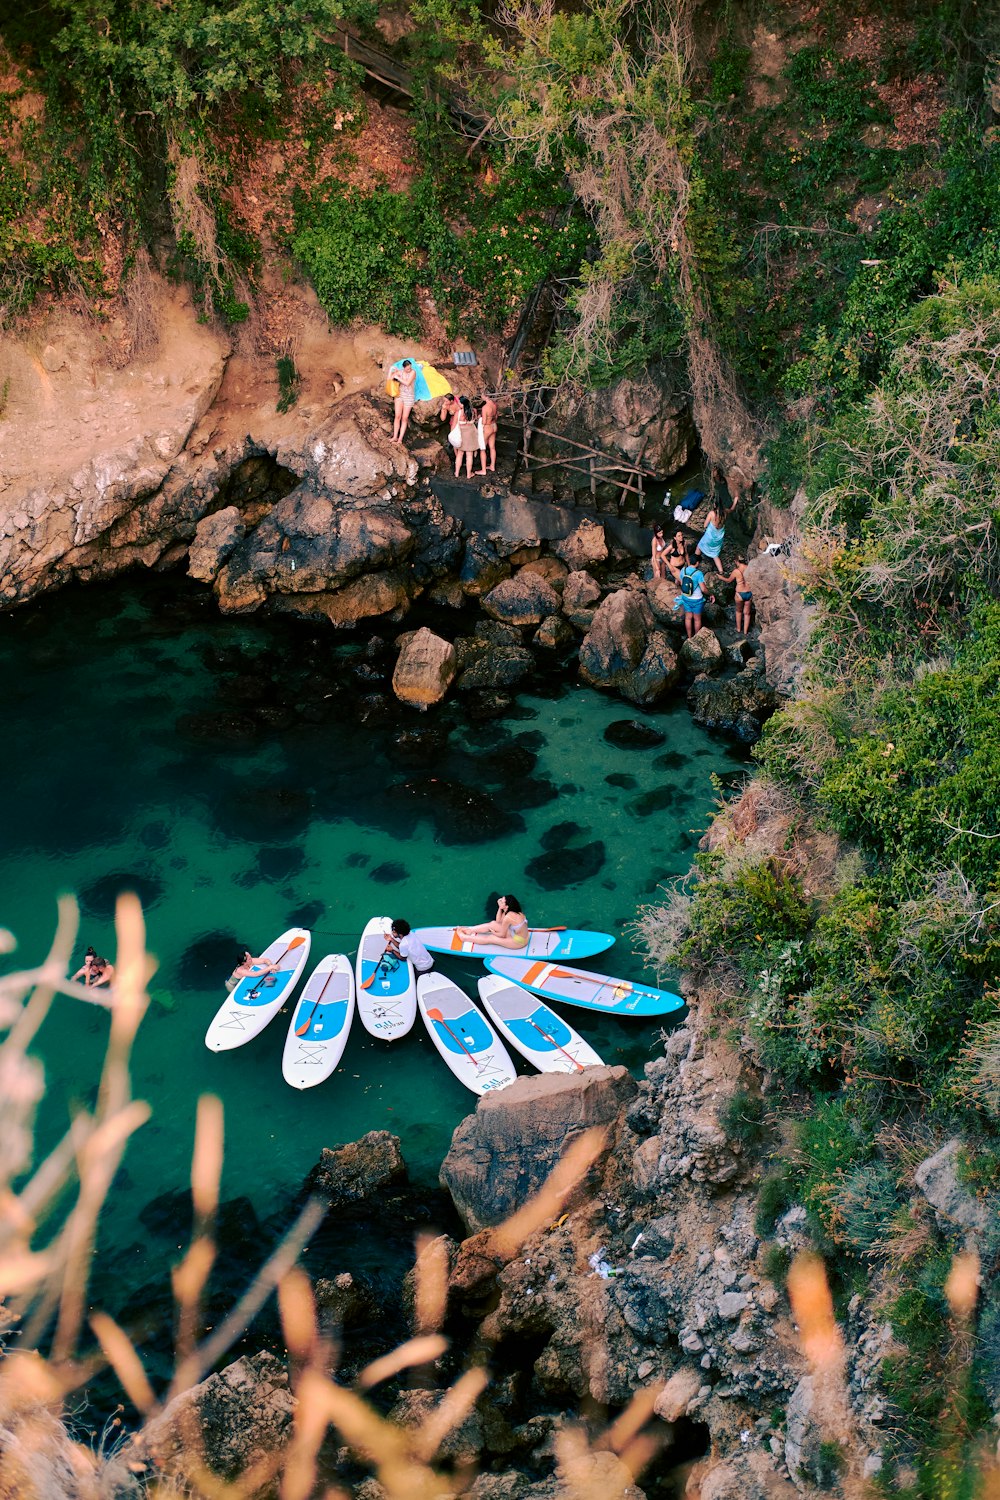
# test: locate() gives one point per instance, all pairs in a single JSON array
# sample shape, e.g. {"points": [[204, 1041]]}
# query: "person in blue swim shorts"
{"points": [[692, 598]]}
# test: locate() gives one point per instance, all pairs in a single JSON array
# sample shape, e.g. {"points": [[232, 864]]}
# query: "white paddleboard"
{"points": [[388, 1008], [463, 1035], [255, 1002], [325, 1010], [534, 1029]]}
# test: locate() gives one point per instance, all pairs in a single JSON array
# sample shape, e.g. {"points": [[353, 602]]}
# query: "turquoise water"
{"points": [[247, 775]]}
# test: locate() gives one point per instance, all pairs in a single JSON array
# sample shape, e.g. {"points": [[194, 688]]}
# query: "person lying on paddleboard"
{"points": [[248, 967], [403, 942], [95, 970], [509, 929]]}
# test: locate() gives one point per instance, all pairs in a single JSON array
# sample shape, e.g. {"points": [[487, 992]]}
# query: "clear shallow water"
{"points": [[220, 768]]}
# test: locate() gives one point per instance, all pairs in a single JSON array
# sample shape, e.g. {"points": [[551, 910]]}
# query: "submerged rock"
{"points": [[463, 814], [500, 1156], [425, 669], [633, 734], [560, 868], [99, 897]]}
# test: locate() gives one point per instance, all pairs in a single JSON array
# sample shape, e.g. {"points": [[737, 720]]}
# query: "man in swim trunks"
{"points": [[95, 970], [405, 377], [692, 582], [488, 417]]}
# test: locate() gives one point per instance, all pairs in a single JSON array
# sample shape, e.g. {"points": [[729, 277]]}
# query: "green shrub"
{"points": [[831, 1462], [776, 1194], [741, 1117], [775, 1261]]}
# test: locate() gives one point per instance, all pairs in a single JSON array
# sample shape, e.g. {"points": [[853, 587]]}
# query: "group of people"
{"points": [[508, 929], [673, 559], [471, 430]]}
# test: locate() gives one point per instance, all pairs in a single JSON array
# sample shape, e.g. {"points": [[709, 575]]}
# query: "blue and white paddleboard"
{"points": [[388, 1006], [543, 942], [619, 997], [463, 1035], [323, 1016], [255, 1002], [534, 1029]]}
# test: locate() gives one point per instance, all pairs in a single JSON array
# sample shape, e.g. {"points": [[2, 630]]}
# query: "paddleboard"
{"points": [[254, 1003], [533, 1029], [388, 1008], [591, 991], [326, 1009], [573, 943], [463, 1036]]}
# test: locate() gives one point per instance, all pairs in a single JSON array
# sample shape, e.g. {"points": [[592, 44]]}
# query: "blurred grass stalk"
{"points": [[44, 1280]]}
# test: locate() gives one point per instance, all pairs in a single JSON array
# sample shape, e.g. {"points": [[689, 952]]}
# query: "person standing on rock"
{"points": [[713, 536], [692, 581], [468, 438], [405, 377], [488, 418], [658, 555], [676, 556], [744, 596]]}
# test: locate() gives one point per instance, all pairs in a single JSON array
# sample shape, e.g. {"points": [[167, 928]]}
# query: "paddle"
{"points": [[577, 1065], [301, 1030], [371, 978], [435, 1015], [295, 943], [625, 984]]}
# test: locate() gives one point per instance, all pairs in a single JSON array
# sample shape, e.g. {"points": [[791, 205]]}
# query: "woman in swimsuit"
{"points": [[509, 929], [713, 536], [676, 556], [469, 445], [405, 377], [744, 596], [247, 966], [659, 554]]}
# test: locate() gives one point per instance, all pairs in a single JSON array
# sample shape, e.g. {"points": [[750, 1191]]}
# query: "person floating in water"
{"points": [[405, 377], [744, 596], [405, 944], [250, 968], [509, 928], [95, 970]]}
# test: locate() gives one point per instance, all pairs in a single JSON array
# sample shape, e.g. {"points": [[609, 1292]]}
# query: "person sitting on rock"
{"points": [[509, 928], [692, 597], [95, 970], [405, 944], [405, 377], [744, 596], [250, 968]]}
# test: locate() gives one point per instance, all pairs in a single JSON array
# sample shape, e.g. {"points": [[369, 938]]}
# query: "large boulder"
{"points": [[236, 1421], [585, 547], [623, 651], [551, 569], [738, 705], [362, 1170], [554, 634], [214, 539], [498, 666], [581, 596], [644, 417], [311, 544], [425, 669], [524, 599], [702, 653], [501, 1155]]}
